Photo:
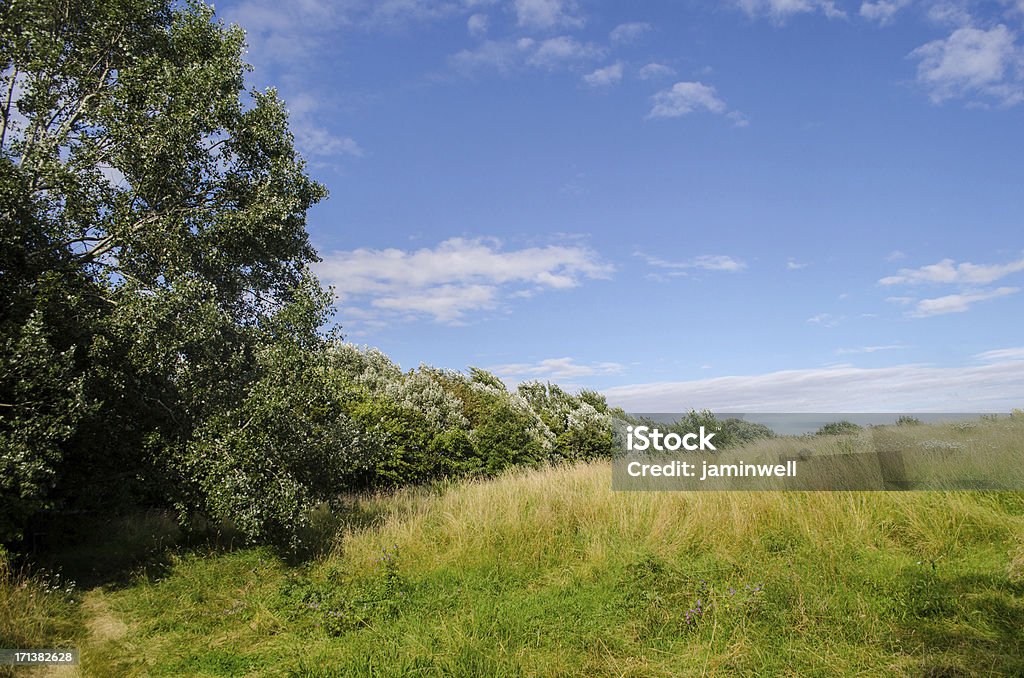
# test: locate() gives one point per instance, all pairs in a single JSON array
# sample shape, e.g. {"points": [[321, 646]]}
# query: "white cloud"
{"points": [[446, 303], [882, 11], [498, 55], [711, 262], [557, 51], [780, 10], [312, 138], [285, 31], [958, 303], [506, 55], [477, 25], [547, 14], [895, 255], [792, 265], [707, 262], [554, 369], [825, 319], [653, 71], [994, 387], [973, 62], [966, 276], [396, 13], [316, 141], [458, 276], [948, 271], [869, 349], [738, 119], [605, 77], [684, 98], [953, 13], [627, 33], [1002, 354]]}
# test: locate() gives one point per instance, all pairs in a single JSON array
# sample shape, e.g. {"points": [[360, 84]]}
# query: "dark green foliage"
{"points": [[739, 432], [907, 420], [152, 228], [730, 432], [287, 446], [504, 432], [838, 428]]}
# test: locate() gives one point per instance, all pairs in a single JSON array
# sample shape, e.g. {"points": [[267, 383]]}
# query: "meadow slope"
{"points": [[550, 573]]}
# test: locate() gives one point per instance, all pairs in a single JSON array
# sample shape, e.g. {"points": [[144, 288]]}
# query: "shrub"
{"points": [[581, 425], [739, 432], [289, 445], [838, 428]]}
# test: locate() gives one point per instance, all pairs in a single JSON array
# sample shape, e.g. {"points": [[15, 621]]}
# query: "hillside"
{"points": [[548, 572]]}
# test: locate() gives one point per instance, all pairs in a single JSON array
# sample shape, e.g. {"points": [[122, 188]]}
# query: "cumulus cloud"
{"points": [[948, 271], [825, 319], [869, 349], [458, 276], [627, 33], [684, 98], [738, 119], [653, 71], [972, 62], [316, 141], [997, 386], [953, 12], [958, 303], [477, 25], [557, 51], [707, 262], [968, 279], [285, 31], [492, 55], [508, 55], [547, 14], [554, 369], [780, 10], [605, 77], [313, 139], [882, 11]]}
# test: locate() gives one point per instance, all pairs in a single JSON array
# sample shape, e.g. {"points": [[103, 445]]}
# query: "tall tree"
{"points": [[152, 236]]}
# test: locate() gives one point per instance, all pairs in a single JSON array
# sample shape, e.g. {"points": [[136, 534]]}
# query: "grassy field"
{"points": [[550, 573]]}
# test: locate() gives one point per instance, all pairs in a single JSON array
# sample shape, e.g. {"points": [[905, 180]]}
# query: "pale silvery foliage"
{"points": [[417, 389], [365, 365], [585, 415], [536, 429]]}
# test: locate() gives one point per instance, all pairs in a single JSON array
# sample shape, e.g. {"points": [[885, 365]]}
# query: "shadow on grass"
{"points": [[964, 625], [114, 552]]}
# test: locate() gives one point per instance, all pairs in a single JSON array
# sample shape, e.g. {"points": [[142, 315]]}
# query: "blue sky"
{"points": [[773, 205]]}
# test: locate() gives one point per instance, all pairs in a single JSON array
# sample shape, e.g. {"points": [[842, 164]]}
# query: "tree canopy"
{"points": [[153, 234]]}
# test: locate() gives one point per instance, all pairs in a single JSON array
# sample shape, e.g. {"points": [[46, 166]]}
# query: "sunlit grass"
{"points": [[551, 573]]}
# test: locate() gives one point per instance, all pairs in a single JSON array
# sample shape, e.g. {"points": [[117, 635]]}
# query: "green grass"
{"points": [[550, 573]]}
